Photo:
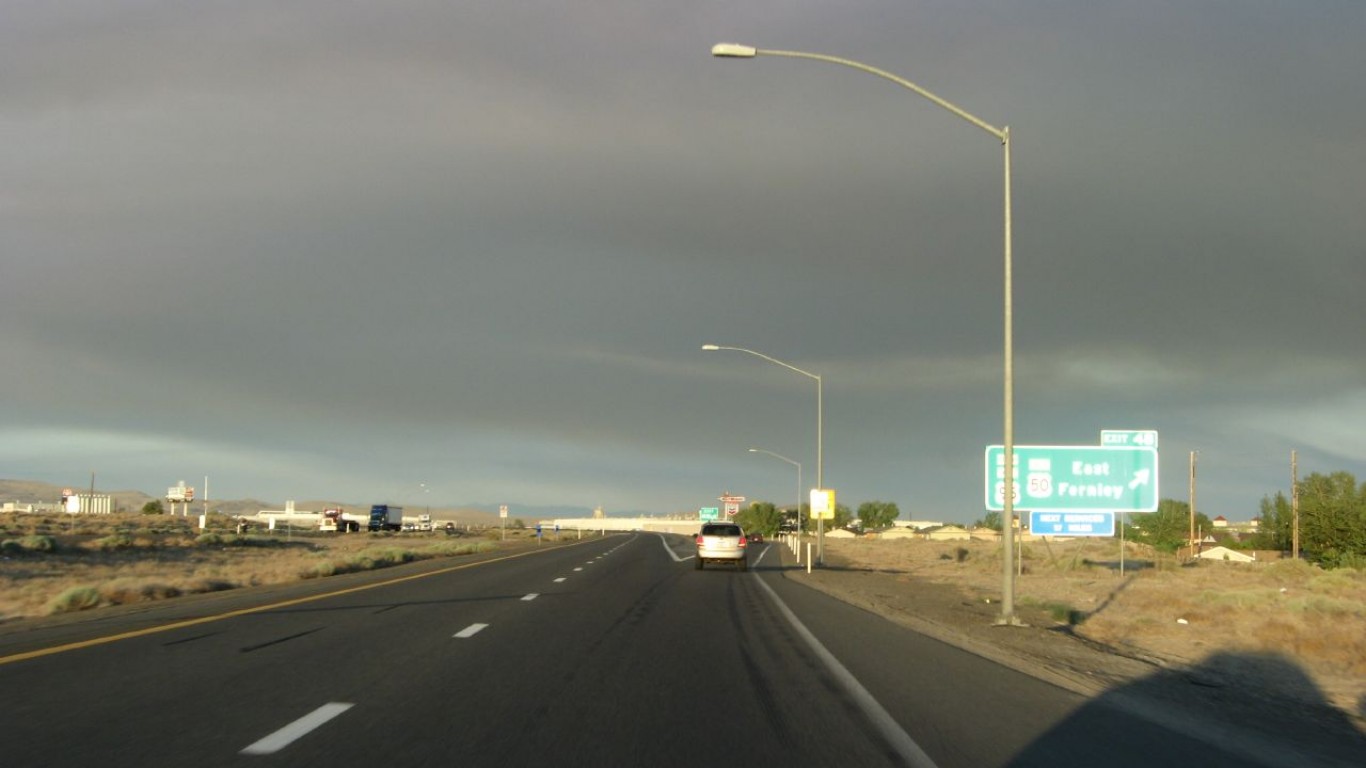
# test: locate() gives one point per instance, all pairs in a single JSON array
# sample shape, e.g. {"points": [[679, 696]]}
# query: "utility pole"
{"points": [[1295, 506], [1193, 540]]}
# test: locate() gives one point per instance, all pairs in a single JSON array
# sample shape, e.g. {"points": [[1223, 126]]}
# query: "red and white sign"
{"points": [[732, 508]]}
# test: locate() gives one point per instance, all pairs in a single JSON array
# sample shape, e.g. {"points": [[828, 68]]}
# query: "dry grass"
{"points": [[47, 568]]}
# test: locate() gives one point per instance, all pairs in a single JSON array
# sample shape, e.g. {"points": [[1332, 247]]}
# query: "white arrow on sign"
{"points": [[1141, 477]]}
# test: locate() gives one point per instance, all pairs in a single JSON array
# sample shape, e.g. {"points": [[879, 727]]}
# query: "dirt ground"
{"points": [[1283, 632]]}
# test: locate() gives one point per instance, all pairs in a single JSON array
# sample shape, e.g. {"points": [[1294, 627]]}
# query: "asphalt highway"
{"points": [[610, 652]]}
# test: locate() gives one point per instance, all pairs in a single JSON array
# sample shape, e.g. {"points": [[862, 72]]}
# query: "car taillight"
{"points": [[743, 541], [699, 539]]}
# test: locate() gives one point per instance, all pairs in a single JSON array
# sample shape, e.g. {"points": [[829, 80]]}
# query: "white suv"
{"points": [[721, 543]]}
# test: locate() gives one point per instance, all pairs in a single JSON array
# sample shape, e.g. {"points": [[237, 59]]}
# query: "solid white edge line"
{"points": [[760, 558], [669, 549], [885, 724], [287, 735], [470, 631]]}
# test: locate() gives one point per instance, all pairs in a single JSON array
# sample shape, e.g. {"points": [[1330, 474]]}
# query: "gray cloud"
{"points": [[327, 251]]}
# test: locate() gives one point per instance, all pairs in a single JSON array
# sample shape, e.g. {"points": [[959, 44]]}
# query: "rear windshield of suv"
{"points": [[721, 529]]}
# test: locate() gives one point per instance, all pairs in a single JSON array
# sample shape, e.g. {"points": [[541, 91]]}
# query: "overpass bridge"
{"points": [[618, 524]]}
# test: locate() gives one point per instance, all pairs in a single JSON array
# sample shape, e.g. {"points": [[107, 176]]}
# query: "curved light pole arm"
{"points": [[796, 464], [730, 50], [820, 403], [788, 366]]}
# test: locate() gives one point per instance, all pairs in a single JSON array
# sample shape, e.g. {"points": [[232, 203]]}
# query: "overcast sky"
{"points": [[468, 251]]}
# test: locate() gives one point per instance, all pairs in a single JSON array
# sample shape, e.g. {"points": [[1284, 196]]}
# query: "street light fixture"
{"points": [[820, 432], [799, 478], [820, 407], [738, 51]]}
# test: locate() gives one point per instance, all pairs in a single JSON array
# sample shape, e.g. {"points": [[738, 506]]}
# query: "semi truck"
{"points": [[337, 520], [386, 517]]}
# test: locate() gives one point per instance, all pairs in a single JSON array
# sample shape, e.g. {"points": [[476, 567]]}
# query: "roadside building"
{"points": [[948, 532], [1226, 555], [899, 532]]}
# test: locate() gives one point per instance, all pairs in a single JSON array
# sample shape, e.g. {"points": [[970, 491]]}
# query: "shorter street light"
{"points": [[820, 432], [799, 479]]}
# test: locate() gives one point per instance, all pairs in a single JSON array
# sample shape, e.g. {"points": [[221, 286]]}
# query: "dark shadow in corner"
{"points": [[1233, 709]]}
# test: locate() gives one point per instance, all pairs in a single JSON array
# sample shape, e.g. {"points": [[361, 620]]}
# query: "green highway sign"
{"points": [[1075, 478], [1146, 438], [706, 514]]}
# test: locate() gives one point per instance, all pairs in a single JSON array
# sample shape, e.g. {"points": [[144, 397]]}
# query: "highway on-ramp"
{"points": [[609, 652]]}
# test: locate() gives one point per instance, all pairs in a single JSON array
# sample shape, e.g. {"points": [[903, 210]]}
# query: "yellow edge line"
{"points": [[245, 611]]}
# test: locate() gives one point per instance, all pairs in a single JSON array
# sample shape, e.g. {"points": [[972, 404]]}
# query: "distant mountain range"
{"points": [[34, 492]]}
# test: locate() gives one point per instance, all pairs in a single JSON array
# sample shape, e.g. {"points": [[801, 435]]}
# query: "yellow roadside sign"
{"points": [[822, 504]]}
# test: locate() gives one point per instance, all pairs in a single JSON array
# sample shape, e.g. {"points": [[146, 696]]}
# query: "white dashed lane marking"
{"points": [[470, 631], [287, 735]]}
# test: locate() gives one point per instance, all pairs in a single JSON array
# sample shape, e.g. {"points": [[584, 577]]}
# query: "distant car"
{"points": [[756, 538], [721, 543]]}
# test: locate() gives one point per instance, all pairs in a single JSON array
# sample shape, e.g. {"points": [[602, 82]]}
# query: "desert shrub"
{"points": [[1062, 613], [319, 570], [33, 542], [383, 558], [122, 591], [960, 554], [252, 540], [365, 560], [452, 549], [1243, 599], [74, 599], [1066, 614], [1292, 570], [1337, 580], [112, 543], [39, 543], [200, 586], [209, 540], [1325, 605]]}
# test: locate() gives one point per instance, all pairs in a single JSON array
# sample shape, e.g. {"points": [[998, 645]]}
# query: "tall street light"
{"points": [[820, 432], [799, 478], [734, 50]]}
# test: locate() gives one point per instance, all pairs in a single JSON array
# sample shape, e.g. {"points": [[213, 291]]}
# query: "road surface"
{"points": [[609, 652]]}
